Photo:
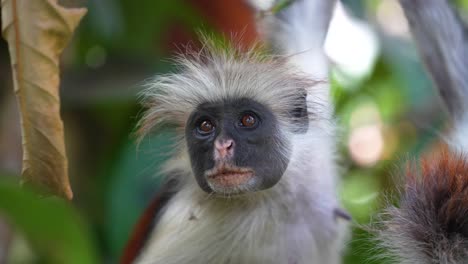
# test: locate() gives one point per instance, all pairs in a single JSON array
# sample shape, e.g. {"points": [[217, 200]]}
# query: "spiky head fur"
{"points": [[220, 73], [431, 223]]}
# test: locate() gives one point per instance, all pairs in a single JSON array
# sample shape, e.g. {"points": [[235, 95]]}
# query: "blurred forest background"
{"points": [[386, 106]]}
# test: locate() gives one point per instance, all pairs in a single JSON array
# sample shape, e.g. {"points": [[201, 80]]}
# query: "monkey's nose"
{"points": [[223, 148]]}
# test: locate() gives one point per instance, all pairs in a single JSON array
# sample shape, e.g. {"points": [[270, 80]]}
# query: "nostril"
{"points": [[229, 144]]}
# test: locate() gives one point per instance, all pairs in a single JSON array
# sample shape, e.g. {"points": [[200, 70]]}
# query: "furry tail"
{"points": [[431, 223]]}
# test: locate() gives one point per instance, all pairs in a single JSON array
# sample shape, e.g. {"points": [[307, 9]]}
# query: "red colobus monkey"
{"points": [[253, 179]]}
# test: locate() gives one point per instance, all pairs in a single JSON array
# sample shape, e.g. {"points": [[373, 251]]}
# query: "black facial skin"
{"points": [[260, 148]]}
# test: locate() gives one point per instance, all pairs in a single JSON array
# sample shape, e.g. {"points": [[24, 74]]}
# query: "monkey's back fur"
{"points": [[431, 223], [293, 222]]}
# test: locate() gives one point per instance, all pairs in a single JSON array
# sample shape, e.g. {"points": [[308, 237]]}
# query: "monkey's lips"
{"points": [[229, 177]]}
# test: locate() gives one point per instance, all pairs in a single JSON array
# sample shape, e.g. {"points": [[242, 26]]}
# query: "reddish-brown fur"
{"points": [[431, 223], [143, 228]]}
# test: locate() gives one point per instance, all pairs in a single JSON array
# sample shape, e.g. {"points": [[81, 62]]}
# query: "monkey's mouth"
{"points": [[228, 177]]}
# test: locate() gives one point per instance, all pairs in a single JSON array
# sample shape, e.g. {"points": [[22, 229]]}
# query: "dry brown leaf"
{"points": [[37, 31]]}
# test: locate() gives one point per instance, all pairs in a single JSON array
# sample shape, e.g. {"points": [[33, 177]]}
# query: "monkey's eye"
{"points": [[205, 127], [248, 120]]}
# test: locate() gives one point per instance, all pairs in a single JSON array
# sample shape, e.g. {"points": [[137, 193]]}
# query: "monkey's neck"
{"points": [[293, 222]]}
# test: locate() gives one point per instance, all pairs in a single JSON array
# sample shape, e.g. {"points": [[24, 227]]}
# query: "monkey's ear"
{"points": [[300, 115]]}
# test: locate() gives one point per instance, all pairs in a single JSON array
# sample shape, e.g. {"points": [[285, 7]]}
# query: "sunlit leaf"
{"points": [[37, 32], [360, 193]]}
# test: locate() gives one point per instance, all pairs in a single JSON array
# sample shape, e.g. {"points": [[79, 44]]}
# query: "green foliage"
{"points": [[53, 228], [280, 5], [126, 28], [136, 180]]}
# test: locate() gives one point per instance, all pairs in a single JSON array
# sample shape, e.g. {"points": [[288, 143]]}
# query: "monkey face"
{"points": [[236, 146]]}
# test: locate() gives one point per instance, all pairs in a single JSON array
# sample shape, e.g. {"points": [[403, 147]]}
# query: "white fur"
{"points": [[217, 74], [293, 222], [459, 138], [299, 31]]}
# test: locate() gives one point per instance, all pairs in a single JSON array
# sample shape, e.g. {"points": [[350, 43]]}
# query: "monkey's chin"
{"points": [[229, 180]]}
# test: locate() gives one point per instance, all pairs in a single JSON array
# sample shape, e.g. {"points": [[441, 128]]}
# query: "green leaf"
{"points": [[53, 228], [135, 181]]}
